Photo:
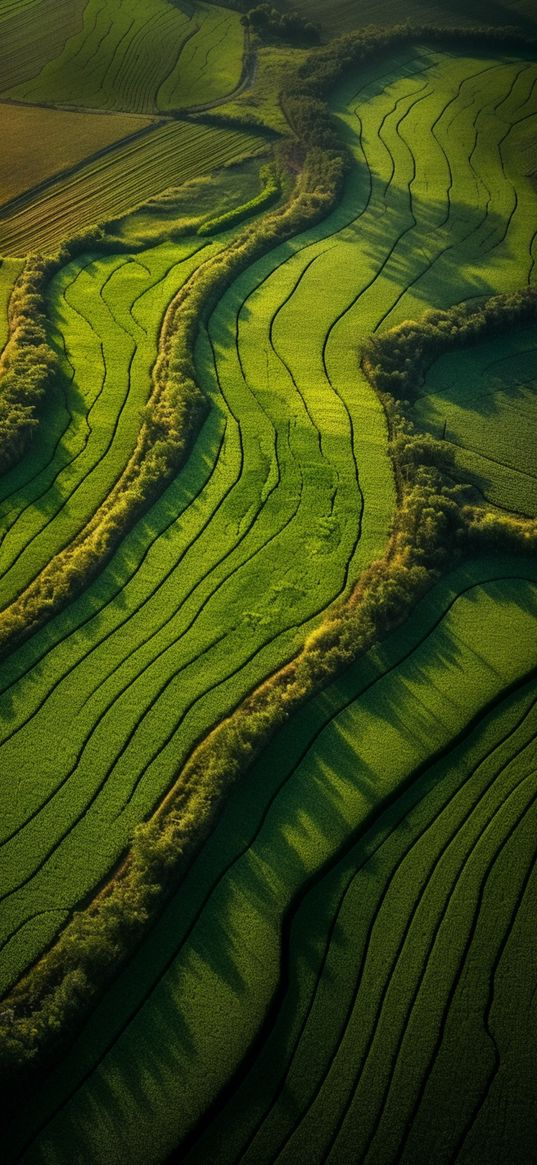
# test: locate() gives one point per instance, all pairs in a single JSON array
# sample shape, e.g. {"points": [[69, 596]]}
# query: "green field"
{"points": [[31, 33], [333, 779], [288, 461], [484, 402], [145, 56], [344, 973]]}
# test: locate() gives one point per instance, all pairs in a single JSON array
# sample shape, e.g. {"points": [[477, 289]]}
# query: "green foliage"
{"points": [[270, 193], [27, 364], [270, 24]]}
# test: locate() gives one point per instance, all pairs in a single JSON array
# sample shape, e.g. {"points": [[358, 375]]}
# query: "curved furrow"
{"points": [[442, 921], [503, 950], [370, 1049], [352, 875], [511, 832], [110, 437]]}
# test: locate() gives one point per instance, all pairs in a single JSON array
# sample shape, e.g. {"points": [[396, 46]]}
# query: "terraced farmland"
{"points": [[331, 981], [145, 56], [110, 185]]}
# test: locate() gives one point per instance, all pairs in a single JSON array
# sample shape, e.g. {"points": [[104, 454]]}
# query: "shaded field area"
{"points": [[346, 15], [117, 181], [359, 890], [31, 33], [292, 462], [142, 55], [483, 401]]}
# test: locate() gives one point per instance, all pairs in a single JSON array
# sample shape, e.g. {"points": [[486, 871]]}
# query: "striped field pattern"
{"points": [[145, 56], [349, 929]]}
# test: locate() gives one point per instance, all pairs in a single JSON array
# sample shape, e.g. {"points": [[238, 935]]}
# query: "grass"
{"points": [[293, 459], [144, 57], [482, 400], [379, 1040], [41, 144], [119, 180], [184, 207], [347, 756]]}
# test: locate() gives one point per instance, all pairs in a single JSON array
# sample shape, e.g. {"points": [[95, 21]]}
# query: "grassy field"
{"points": [[145, 56], [115, 182], [390, 742], [334, 973], [483, 401]]}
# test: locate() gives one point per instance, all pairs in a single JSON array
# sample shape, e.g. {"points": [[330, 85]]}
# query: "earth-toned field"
{"points": [[268, 586]]}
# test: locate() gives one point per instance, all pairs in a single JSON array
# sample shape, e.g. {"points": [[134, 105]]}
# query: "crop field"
{"points": [[484, 401], [321, 806], [145, 56], [110, 185], [344, 15], [342, 971], [41, 144]]}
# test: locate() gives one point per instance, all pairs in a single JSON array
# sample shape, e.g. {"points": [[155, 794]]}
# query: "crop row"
{"points": [[390, 998], [144, 57], [329, 789], [110, 185], [182, 623]]}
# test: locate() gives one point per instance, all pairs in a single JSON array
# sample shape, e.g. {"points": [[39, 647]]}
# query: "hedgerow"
{"points": [[28, 362]]}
